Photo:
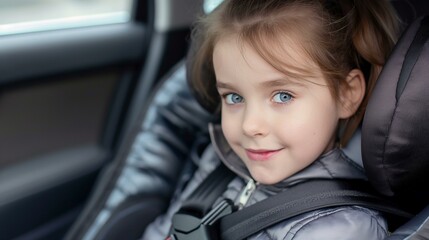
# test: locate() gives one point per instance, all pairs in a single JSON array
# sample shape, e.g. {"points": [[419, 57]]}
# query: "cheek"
{"points": [[313, 124], [229, 126]]}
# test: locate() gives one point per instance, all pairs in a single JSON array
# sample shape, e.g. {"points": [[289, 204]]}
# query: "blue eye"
{"points": [[282, 97], [233, 98]]}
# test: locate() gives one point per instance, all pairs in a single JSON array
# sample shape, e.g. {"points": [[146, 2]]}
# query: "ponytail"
{"points": [[373, 31]]}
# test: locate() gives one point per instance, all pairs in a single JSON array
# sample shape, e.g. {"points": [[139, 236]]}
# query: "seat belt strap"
{"points": [[212, 187], [301, 198], [196, 219]]}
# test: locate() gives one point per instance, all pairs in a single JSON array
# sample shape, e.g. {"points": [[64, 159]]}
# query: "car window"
{"points": [[209, 5], [21, 16]]}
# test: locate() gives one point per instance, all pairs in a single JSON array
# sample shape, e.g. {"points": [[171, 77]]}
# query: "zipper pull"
{"points": [[245, 194]]}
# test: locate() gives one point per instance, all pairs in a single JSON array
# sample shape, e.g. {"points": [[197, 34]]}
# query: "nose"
{"points": [[254, 122]]}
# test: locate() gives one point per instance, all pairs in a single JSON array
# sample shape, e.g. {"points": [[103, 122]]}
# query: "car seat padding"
{"points": [[396, 123]]}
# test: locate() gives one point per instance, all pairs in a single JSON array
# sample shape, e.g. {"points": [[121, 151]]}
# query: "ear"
{"points": [[351, 93]]}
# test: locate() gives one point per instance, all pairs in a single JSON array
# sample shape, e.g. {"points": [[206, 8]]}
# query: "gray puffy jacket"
{"points": [[348, 222]]}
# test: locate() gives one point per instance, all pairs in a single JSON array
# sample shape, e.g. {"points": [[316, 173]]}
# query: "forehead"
{"points": [[234, 57]]}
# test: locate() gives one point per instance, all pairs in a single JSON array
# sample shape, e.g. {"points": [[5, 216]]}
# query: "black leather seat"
{"points": [[395, 150], [138, 185]]}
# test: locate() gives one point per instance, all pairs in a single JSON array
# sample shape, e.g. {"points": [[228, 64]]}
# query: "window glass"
{"points": [[209, 5], [18, 16]]}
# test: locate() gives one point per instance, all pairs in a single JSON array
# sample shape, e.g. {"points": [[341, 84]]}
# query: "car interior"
{"points": [[68, 97], [131, 163]]}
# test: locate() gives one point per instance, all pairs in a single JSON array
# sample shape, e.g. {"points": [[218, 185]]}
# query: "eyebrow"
{"points": [[222, 85], [267, 84], [281, 82]]}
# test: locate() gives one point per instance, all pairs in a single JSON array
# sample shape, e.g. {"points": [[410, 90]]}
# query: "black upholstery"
{"points": [[395, 150], [412, 227], [394, 134]]}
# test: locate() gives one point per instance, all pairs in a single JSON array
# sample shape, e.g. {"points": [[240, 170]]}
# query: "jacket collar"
{"points": [[225, 152], [331, 165]]}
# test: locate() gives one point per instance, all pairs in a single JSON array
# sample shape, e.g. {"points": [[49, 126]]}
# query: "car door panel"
{"points": [[37, 54], [63, 95], [67, 101]]}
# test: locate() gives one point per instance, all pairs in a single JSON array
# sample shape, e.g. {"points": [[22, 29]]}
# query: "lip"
{"points": [[261, 154]]}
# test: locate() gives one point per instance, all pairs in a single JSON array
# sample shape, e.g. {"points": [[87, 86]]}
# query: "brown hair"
{"points": [[338, 35]]}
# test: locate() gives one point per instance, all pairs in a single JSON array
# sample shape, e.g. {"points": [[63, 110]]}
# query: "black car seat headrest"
{"points": [[395, 130], [406, 10], [410, 10]]}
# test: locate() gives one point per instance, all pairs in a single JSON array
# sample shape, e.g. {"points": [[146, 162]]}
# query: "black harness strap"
{"points": [[202, 199], [301, 198], [412, 56], [196, 220]]}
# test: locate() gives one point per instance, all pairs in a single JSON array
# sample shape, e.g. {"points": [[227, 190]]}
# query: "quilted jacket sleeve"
{"points": [[341, 223]]}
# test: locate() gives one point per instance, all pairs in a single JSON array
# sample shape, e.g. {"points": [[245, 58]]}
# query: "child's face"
{"points": [[276, 124]]}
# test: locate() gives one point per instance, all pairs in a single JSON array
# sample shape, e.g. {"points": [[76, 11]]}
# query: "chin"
{"points": [[266, 180]]}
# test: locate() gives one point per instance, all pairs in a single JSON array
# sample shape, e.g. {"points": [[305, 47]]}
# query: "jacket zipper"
{"points": [[245, 194]]}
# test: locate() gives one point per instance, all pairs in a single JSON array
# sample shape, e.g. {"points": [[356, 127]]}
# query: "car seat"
{"points": [[162, 151], [138, 184], [395, 153]]}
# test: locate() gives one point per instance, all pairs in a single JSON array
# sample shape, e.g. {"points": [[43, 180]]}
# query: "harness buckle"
{"points": [[186, 225]]}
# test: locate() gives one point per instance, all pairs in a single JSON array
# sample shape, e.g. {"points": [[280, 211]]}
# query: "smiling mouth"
{"points": [[261, 155]]}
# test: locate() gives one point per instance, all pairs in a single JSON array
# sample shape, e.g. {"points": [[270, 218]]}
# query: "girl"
{"points": [[291, 79]]}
